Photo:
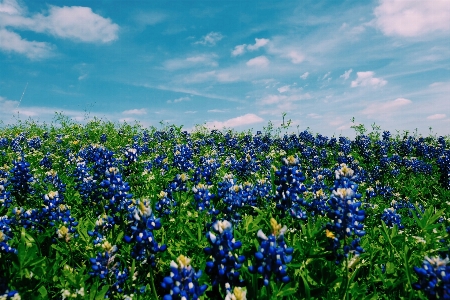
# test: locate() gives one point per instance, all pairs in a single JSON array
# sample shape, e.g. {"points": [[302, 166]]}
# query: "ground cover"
{"points": [[124, 212]]}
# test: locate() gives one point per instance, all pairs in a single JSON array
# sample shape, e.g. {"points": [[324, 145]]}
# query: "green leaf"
{"points": [[43, 291], [101, 295]]}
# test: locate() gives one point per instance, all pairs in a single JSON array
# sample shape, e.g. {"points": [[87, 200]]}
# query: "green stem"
{"points": [[152, 281]]}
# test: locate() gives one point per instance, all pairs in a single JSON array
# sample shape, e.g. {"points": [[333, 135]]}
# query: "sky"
{"points": [[229, 64]]}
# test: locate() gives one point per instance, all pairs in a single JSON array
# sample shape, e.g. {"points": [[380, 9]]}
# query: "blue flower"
{"points": [[434, 278], [183, 281], [345, 214], [273, 255], [225, 264]]}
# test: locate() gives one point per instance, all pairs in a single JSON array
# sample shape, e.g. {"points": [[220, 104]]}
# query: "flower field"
{"points": [[104, 210]]}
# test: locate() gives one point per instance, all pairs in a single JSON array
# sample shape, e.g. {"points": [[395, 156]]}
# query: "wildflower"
{"points": [[238, 294], [346, 217], [434, 278], [183, 281], [273, 254], [224, 267]]}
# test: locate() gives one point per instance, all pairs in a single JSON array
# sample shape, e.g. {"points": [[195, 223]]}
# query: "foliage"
{"points": [[118, 211]]}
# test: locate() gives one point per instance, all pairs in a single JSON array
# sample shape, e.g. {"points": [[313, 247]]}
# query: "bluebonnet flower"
{"points": [[5, 196], [183, 281], [103, 263], [116, 191], [131, 155], [5, 235], [289, 188], [237, 294], [10, 295], [103, 138], [345, 214], [166, 203], [183, 158], [46, 161], [35, 143], [434, 278], [4, 142], [273, 254], [236, 196], [140, 232], [225, 264], [390, 217], [21, 179], [202, 196]]}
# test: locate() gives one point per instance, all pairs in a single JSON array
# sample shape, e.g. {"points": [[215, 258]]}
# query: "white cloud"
{"points": [[238, 50], [7, 105], [346, 74], [223, 76], [75, 22], [413, 17], [326, 75], [385, 108], [235, 122], [305, 75], [191, 61], [190, 112], [12, 42], [260, 61], [367, 79], [295, 57], [78, 23], [10, 7], [210, 39], [179, 100], [314, 116], [436, 117], [283, 89], [217, 110], [276, 99], [135, 111], [150, 18], [82, 77], [258, 44]]}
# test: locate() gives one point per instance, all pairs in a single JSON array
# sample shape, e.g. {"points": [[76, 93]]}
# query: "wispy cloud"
{"points": [[367, 79], [191, 61], [283, 89], [12, 42], [304, 75], [217, 110], [141, 111], [412, 18], [385, 108], [241, 49], [436, 117], [235, 122], [210, 39], [260, 61], [346, 74], [150, 18], [178, 100], [258, 44]]}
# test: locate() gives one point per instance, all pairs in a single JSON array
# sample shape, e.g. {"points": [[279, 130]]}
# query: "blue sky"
{"points": [[236, 64]]}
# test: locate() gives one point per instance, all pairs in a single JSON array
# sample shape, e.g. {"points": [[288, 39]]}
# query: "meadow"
{"points": [[105, 210]]}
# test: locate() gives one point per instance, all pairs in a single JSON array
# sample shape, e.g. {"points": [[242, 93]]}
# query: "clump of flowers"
{"points": [[345, 214], [434, 278], [182, 283], [224, 267], [390, 217], [141, 225], [289, 188], [273, 254], [5, 235]]}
